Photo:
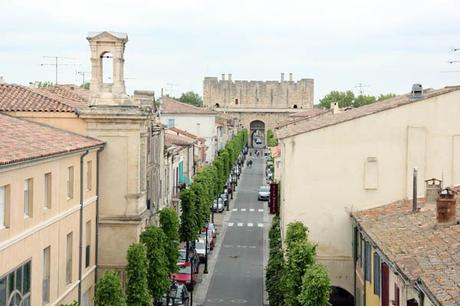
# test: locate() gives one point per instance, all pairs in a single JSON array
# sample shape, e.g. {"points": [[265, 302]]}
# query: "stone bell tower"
{"points": [[107, 45]]}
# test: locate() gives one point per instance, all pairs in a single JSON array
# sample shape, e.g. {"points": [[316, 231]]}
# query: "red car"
{"points": [[183, 276]]}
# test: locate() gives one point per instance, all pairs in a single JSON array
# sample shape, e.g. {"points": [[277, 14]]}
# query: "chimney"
{"points": [[417, 90], [432, 188], [446, 207], [282, 77], [335, 107], [229, 76], [290, 77], [414, 191], [2, 80], [223, 77]]}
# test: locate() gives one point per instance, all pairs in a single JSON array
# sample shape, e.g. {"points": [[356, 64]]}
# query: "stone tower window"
{"points": [[107, 67], [236, 101], [295, 106], [217, 105]]}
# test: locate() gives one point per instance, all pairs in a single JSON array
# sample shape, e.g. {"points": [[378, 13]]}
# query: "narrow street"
{"points": [[238, 271]]}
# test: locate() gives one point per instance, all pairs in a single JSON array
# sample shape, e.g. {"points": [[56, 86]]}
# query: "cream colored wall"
{"points": [[66, 121], [25, 239], [327, 165]]}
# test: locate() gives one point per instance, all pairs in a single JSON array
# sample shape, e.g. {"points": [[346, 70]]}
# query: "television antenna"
{"points": [[56, 64]]}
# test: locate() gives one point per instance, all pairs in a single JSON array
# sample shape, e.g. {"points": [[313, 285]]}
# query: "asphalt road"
{"points": [[238, 272]]}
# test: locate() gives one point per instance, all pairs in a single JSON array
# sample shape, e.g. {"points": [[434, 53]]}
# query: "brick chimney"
{"points": [[446, 207], [432, 188], [335, 107]]}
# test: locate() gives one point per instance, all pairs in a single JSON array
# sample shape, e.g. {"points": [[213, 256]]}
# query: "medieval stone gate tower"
{"points": [[258, 105]]}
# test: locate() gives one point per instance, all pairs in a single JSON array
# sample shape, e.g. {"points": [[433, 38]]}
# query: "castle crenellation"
{"points": [[227, 93]]}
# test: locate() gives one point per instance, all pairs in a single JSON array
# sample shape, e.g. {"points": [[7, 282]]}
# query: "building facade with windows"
{"points": [[343, 161], [48, 199]]}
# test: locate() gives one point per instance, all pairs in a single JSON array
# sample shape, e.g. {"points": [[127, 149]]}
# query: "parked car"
{"points": [[218, 205], [177, 296], [193, 257], [200, 249], [224, 197], [184, 277], [211, 240], [213, 228], [264, 193]]}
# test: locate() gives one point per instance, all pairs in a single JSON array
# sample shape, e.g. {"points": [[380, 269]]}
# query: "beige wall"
{"points": [[26, 238], [66, 121], [329, 167]]}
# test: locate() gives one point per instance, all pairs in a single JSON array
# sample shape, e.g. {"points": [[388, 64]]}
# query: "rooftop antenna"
{"points": [[170, 88], [56, 64], [360, 86], [83, 75]]}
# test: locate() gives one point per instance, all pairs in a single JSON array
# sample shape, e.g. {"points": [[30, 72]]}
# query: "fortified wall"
{"points": [[281, 94]]}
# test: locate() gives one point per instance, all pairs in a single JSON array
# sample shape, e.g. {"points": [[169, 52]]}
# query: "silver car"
{"points": [[264, 193]]}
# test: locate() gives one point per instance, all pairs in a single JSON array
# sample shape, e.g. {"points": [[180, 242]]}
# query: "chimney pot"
{"points": [[290, 77], [335, 107], [223, 77], [282, 77], [417, 90], [229, 76], [446, 207], [432, 188]]}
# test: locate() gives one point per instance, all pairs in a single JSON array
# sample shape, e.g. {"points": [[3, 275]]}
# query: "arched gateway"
{"points": [[257, 133]]}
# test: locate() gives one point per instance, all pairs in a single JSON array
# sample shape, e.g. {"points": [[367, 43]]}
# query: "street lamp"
{"points": [[206, 248], [191, 282]]}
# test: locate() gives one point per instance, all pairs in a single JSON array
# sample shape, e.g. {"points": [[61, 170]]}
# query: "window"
{"points": [[198, 129], [28, 197], [376, 274], [47, 190], [70, 182], [367, 262], [371, 173], [236, 101], [4, 207], [363, 251], [68, 259], [88, 244], [171, 123], [16, 285], [396, 303], [89, 175], [46, 276], [358, 248]]}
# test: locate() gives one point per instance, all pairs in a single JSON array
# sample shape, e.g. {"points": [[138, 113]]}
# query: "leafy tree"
{"points": [[272, 141], [363, 100], [382, 97], [192, 98], [137, 291], [109, 291], [343, 98], [169, 223], [275, 268], [300, 255], [316, 287], [157, 277], [296, 232], [85, 85]]}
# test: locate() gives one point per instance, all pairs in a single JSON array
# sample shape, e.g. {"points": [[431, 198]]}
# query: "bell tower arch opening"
{"points": [[257, 132], [341, 297]]}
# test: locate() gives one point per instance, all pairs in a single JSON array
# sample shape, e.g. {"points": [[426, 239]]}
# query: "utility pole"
{"points": [[56, 64], [83, 75], [360, 86]]}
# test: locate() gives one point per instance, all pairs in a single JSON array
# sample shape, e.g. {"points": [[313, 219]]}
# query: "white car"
{"points": [[264, 193], [200, 250]]}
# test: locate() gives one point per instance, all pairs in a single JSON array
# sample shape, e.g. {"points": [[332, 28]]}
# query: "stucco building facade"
{"points": [[340, 162]]}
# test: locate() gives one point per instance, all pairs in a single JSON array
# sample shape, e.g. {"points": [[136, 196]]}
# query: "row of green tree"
{"points": [[348, 99], [150, 263], [197, 199], [293, 277], [272, 141]]}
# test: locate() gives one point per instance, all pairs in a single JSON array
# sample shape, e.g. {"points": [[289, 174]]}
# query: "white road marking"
{"points": [[228, 246], [260, 224], [243, 209], [251, 209], [240, 224], [250, 224], [235, 209], [230, 224], [261, 210], [252, 246]]}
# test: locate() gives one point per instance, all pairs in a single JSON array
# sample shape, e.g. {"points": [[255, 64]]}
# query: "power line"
{"points": [[56, 64]]}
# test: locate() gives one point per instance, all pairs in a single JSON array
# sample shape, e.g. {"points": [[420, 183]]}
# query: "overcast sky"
{"points": [[384, 44]]}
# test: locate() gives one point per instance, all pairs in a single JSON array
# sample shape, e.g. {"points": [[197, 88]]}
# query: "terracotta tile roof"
{"points": [[329, 119], [23, 140], [173, 138], [70, 91], [187, 134], [417, 246], [171, 106], [16, 98], [296, 117]]}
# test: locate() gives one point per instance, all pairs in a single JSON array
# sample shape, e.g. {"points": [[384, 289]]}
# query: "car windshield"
{"points": [[184, 269], [199, 245], [264, 189]]}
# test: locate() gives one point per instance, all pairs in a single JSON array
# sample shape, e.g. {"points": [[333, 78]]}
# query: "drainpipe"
{"points": [[80, 251], [96, 243], [414, 191]]}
